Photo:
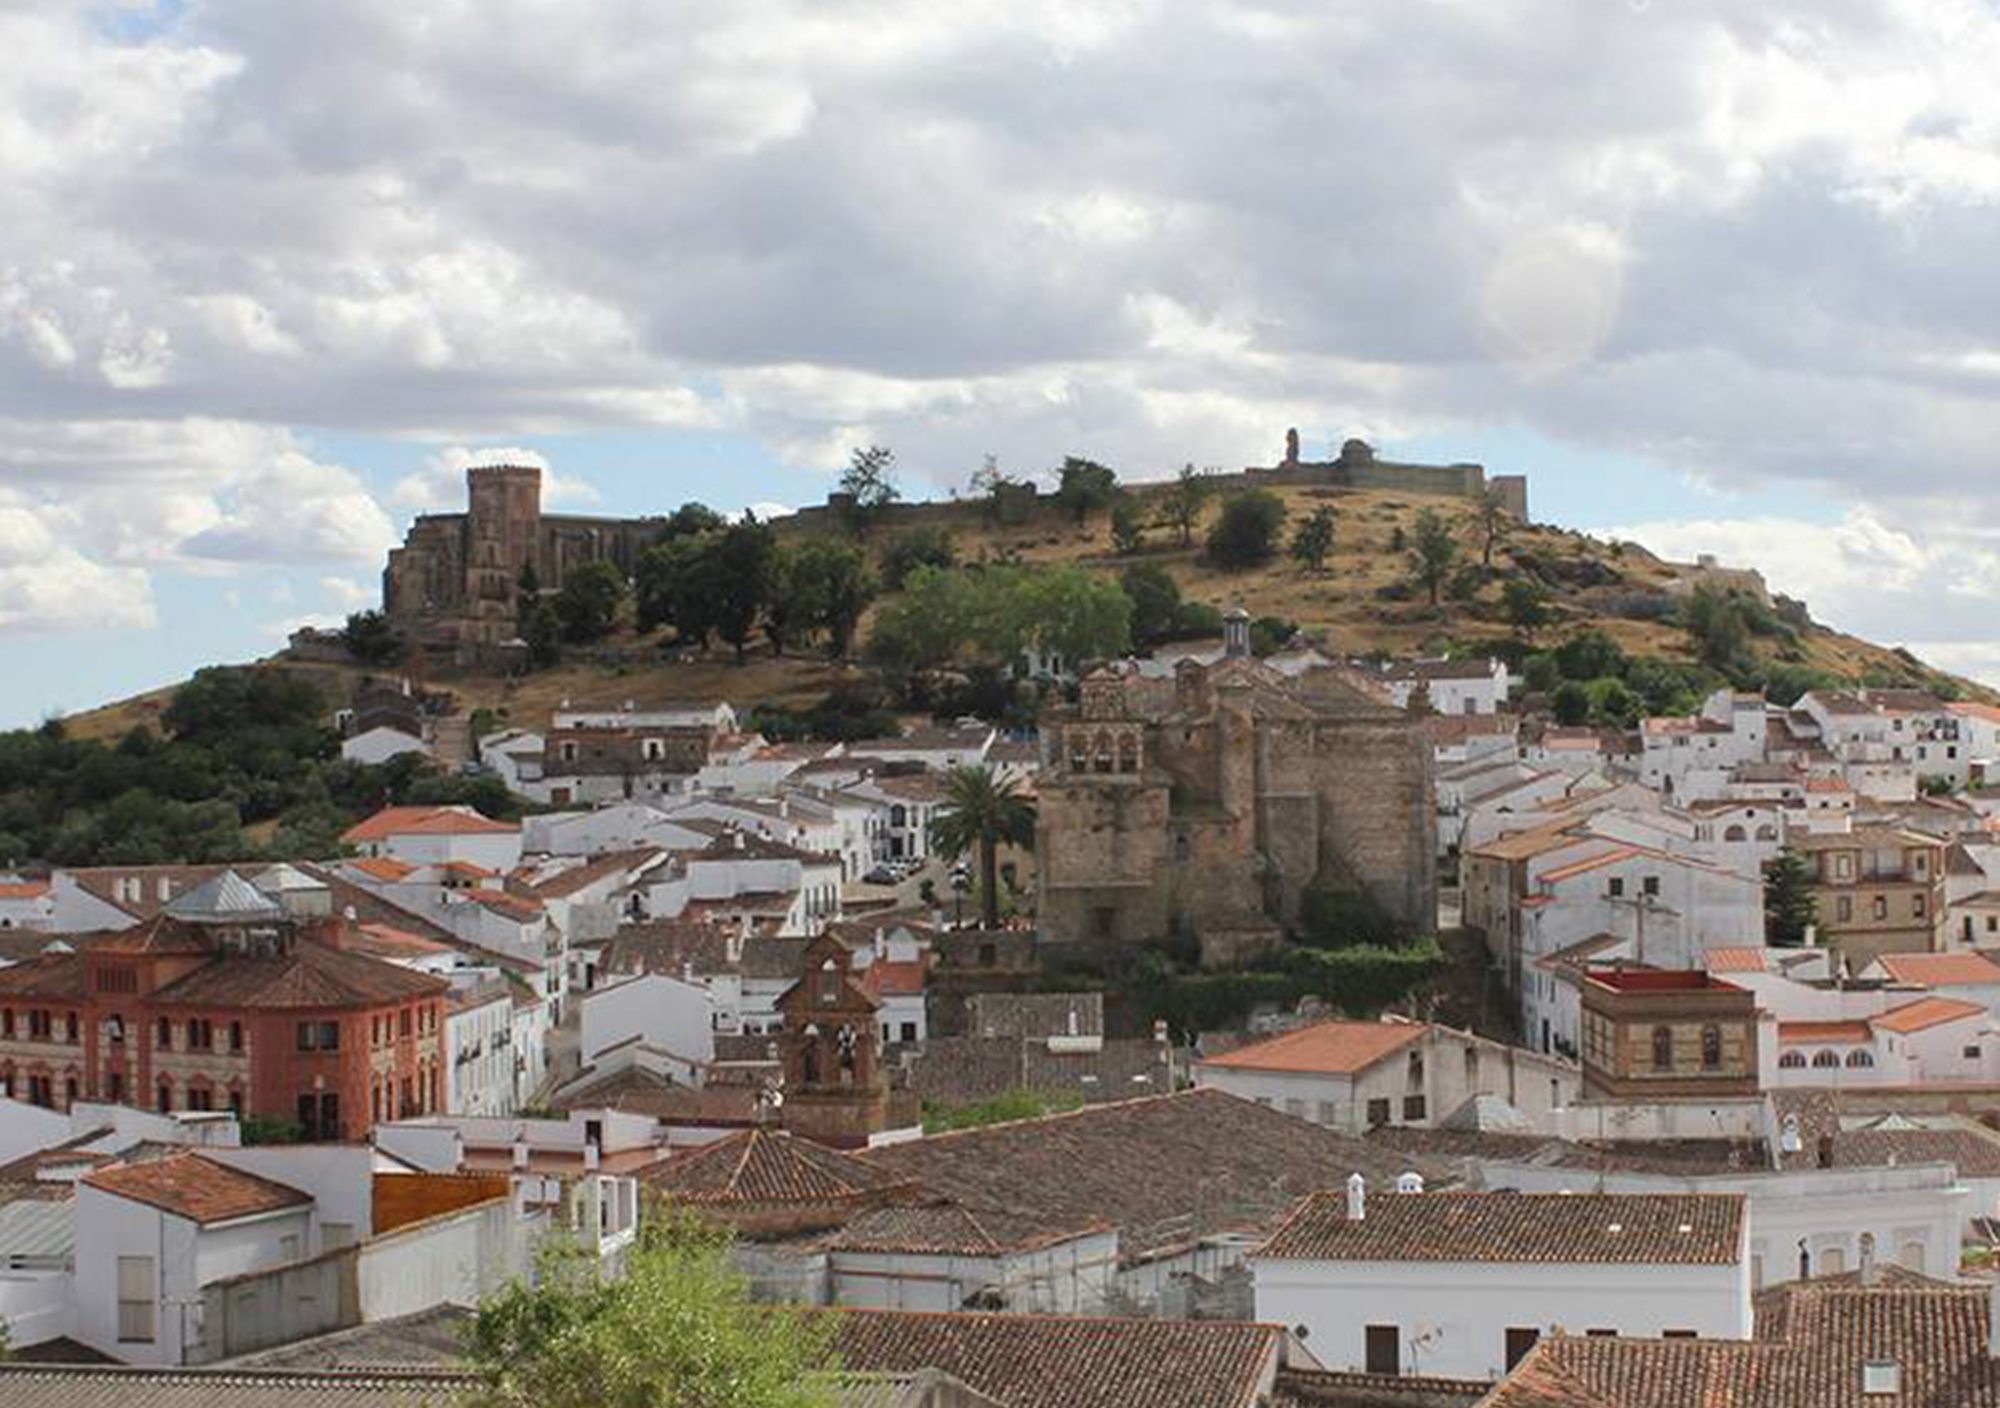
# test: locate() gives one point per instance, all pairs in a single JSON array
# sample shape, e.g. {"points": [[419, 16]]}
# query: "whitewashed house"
{"points": [[1462, 1284], [437, 835]]}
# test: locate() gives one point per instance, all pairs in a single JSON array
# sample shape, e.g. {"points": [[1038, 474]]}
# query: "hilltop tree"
{"points": [[1246, 533], [1789, 907], [1156, 602], [983, 811], [1495, 520], [831, 585], [1433, 552], [692, 518], [1083, 485], [929, 545], [1128, 526], [869, 481], [1312, 540], [1526, 603], [1570, 704], [744, 559], [543, 632], [1717, 625], [587, 604], [680, 584], [1181, 505], [678, 1327], [370, 638]]}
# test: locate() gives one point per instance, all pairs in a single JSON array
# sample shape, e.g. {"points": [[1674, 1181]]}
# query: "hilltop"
{"points": [[1363, 603]]}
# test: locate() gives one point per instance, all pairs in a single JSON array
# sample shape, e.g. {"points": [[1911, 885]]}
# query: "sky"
{"points": [[1717, 277]]}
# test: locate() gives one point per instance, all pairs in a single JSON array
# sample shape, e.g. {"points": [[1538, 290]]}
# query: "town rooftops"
{"points": [[1863, 838], [308, 974], [1849, 1032], [1052, 1361], [425, 821], [1325, 1048], [224, 899], [1941, 970], [197, 1188], [1683, 1229], [762, 1166], [117, 1386], [1744, 960], [1926, 1013], [950, 1229]]}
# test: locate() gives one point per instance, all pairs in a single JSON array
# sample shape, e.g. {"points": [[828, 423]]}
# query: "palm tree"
{"points": [[984, 811]]}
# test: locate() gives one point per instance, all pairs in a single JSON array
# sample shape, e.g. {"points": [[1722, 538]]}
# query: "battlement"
{"points": [[1358, 467]]}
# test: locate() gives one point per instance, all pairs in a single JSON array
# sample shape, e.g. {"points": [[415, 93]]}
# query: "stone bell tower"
{"points": [[834, 1091]]}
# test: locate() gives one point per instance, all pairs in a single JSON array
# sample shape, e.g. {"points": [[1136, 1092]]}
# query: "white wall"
{"points": [[339, 1177], [663, 1012], [1453, 1316], [1072, 1277]]}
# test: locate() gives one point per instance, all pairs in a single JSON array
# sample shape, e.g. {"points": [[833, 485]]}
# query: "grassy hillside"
{"points": [[1364, 601]]}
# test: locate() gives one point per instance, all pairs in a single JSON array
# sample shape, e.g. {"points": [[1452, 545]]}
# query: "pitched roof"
{"points": [[1323, 1048], [1939, 970], [1925, 1013], [197, 1188], [424, 821], [103, 1386], [951, 1229], [1742, 960], [1163, 1169], [1049, 1361], [1683, 1229], [309, 974], [59, 975], [764, 1166], [224, 898], [1825, 1031]]}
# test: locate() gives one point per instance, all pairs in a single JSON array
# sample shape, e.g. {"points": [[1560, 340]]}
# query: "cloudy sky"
{"points": [[1719, 276]]}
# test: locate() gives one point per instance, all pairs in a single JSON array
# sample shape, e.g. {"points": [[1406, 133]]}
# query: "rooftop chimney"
{"points": [[1357, 1197], [1411, 1182], [1235, 633]]}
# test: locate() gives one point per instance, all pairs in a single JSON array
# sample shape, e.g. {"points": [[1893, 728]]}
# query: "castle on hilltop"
{"points": [[1357, 467], [453, 587]]}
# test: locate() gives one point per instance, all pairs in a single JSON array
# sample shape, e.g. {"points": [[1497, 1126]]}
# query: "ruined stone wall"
{"points": [[1101, 845], [1378, 814]]}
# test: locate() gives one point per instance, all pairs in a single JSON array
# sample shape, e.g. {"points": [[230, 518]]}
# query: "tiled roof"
{"points": [[762, 1166], [56, 975], [579, 877], [197, 1188], [1342, 1388], [385, 868], [1681, 1157], [1048, 1361], [1683, 1229], [1743, 960], [1973, 1150], [1825, 1031], [951, 1229], [424, 821], [1935, 1336], [1324, 1048], [959, 1070], [103, 883], [1590, 863], [1163, 1169], [100, 1386], [1926, 1013], [161, 934], [23, 889], [310, 975], [639, 1091], [1938, 970]]}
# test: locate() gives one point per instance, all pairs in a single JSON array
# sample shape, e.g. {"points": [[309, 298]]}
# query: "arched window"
{"points": [[1825, 1060], [1128, 753], [1101, 760], [166, 1096], [1711, 1048], [1663, 1048], [1767, 832], [1860, 1057], [1734, 833], [1793, 1061]]}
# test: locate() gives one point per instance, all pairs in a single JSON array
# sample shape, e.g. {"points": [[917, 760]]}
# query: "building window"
{"points": [[114, 1087], [7, 1022], [1881, 906], [135, 1299], [1917, 906], [1711, 1048], [1472, 1065], [1860, 1057], [319, 1036], [1416, 1072], [1651, 885], [1616, 886], [114, 1027], [165, 1039], [1520, 1339], [1843, 909], [1663, 1048], [1826, 1060], [1413, 1108], [909, 1031], [1972, 1053], [1792, 1061], [1679, 1335], [1378, 1113], [1384, 1344], [235, 1036]]}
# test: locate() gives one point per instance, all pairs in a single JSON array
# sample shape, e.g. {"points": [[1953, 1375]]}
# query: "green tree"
{"points": [[370, 638], [1067, 611], [1312, 540], [1718, 627], [678, 1328], [1590, 655], [1789, 907], [869, 481], [1128, 526], [926, 546], [1156, 602], [1570, 704], [527, 596], [787, 614], [982, 812], [1246, 533], [1181, 505], [744, 560], [831, 582], [1526, 604], [1433, 552], [692, 518], [679, 584], [588, 603], [1495, 520], [1083, 485], [543, 633]]}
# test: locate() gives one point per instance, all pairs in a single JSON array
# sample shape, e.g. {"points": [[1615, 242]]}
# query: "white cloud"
{"points": [[440, 484], [347, 595]]}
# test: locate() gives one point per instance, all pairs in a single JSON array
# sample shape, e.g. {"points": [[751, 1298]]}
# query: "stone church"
{"points": [[452, 587], [1209, 801]]}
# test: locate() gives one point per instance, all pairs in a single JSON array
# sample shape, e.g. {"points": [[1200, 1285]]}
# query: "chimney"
{"points": [[1866, 1273], [1235, 633], [1357, 1197], [1411, 1182]]}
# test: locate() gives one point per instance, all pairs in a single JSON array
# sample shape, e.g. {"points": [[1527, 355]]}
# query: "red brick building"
{"points": [[230, 1006]]}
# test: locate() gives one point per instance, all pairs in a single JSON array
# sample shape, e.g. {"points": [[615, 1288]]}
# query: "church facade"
{"points": [[1208, 802]]}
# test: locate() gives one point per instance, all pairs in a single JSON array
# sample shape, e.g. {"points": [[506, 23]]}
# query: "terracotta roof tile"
{"points": [[424, 821], [1824, 1031], [1683, 1229], [1937, 970], [762, 1166], [1326, 1047], [1047, 1361], [197, 1188], [1743, 960], [1926, 1013]]}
